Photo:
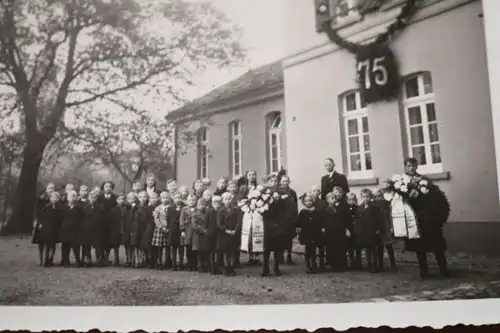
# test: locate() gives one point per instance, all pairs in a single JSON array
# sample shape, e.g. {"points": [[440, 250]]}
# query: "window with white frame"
{"points": [[343, 10], [203, 153], [421, 123], [235, 128], [357, 136], [275, 142]]}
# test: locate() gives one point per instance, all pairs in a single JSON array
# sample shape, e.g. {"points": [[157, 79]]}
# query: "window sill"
{"points": [[444, 175], [363, 182]]}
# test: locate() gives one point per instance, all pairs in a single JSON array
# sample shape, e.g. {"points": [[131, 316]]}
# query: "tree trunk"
{"points": [[22, 218]]}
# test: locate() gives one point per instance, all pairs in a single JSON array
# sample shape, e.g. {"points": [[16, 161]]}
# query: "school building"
{"points": [[295, 112]]}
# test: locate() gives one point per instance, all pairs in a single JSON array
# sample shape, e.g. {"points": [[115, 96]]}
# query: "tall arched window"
{"points": [[421, 122], [202, 153], [235, 147], [275, 142]]}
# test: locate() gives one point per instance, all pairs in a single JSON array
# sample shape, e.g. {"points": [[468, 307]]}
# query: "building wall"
{"points": [[253, 142], [448, 41]]}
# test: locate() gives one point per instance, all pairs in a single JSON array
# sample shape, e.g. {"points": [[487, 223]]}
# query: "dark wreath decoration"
{"points": [[376, 65]]}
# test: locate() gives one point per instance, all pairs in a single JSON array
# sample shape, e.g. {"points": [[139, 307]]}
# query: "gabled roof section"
{"points": [[261, 78]]}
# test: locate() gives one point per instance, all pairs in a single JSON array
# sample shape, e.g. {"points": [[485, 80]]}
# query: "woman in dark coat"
{"points": [[90, 227], [48, 230], [117, 226], [42, 201], [107, 200], [200, 235], [174, 232], [72, 213], [229, 224]]}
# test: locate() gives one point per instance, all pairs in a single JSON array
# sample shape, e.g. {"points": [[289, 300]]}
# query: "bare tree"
{"points": [[60, 55]]}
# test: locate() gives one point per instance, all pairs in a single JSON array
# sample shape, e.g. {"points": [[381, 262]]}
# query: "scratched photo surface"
{"points": [[221, 152]]}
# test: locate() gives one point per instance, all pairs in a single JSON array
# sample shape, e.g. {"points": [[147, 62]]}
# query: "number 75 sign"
{"points": [[377, 73]]}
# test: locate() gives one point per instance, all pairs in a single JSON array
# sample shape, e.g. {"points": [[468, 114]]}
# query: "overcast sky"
{"points": [[262, 25]]}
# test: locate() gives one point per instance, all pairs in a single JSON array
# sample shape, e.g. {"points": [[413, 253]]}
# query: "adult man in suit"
{"points": [[332, 179]]}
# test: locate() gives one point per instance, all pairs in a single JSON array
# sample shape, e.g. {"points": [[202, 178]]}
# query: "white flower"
{"points": [[284, 196], [261, 209], [270, 201], [254, 194], [396, 178], [388, 196], [259, 203], [253, 202], [268, 191], [265, 197], [397, 185], [404, 188], [245, 209], [241, 203], [276, 196], [424, 190], [406, 179], [260, 188], [265, 207], [423, 182]]}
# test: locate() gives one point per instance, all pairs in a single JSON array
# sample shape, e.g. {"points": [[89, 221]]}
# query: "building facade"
{"points": [[443, 116], [237, 127]]}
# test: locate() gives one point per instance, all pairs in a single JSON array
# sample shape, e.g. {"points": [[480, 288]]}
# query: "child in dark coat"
{"points": [[42, 201], [369, 226], [89, 230], [214, 258], [229, 224], [48, 229], [138, 228], [187, 231], [116, 228], [200, 234], [159, 241], [387, 236], [320, 205], [337, 232], [128, 228], [72, 216], [107, 200], [309, 229], [147, 237], [221, 187], [285, 189], [174, 231], [353, 254]]}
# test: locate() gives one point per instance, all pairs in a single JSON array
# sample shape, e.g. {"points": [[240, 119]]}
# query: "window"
{"points": [[343, 11], [421, 123], [235, 128], [275, 142], [202, 153], [357, 136]]}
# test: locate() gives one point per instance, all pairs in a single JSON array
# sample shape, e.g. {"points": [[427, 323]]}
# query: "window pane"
{"points": [[274, 165], [342, 8], [236, 158], [277, 122], [368, 161], [352, 126], [419, 154], [236, 128], [274, 152], [427, 80], [411, 87], [237, 170], [433, 133], [350, 102], [355, 162], [414, 115], [366, 142], [436, 153], [417, 135], [273, 140], [431, 112], [354, 145], [236, 144], [365, 124], [363, 102]]}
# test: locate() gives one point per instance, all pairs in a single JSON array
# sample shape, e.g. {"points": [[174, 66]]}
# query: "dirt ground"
{"points": [[24, 282]]}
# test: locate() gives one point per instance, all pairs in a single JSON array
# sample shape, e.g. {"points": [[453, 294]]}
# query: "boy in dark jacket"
{"points": [[215, 260], [229, 224], [48, 229], [72, 216], [336, 221]]}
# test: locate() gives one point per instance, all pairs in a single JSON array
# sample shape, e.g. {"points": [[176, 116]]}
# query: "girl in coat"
{"points": [[51, 216], [369, 226], [107, 200], [138, 227], [198, 188], [171, 187], [251, 179], [352, 251], [159, 241], [336, 219], [174, 232], [214, 258], [151, 257], [387, 237], [67, 188], [229, 224], [184, 191], [221, 186], [137, 188], [128, 226], [72, 216], [309, 227], [187, 231], [200, 231], [320, 205], [116, 228], [92, 218], [42, 201], [292, 215]]}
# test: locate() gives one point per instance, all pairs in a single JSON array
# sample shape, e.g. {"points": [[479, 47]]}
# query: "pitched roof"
{"points": [[258, 78]]}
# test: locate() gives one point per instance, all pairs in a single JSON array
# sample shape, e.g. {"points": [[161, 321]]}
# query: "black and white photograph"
{"points": [[248, 152]]}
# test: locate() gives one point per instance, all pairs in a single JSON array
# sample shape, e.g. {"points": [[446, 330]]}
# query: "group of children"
{"points": [[200, 229]]}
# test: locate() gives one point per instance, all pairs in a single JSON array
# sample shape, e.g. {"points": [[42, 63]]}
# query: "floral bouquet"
{"points": [[406, 187], [259, 200]]}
